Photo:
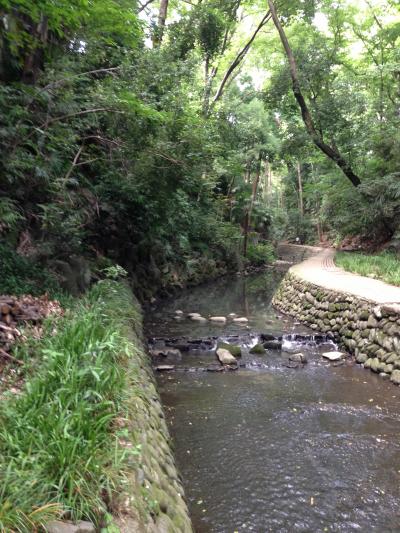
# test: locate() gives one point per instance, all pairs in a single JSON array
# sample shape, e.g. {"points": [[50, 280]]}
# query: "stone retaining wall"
{"points": [[153, 501], [369, 331]]}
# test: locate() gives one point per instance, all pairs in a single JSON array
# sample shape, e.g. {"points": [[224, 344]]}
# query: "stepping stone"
{"points": [[220, 319], [199, 318], [241, 320], [333, 356], [165, 368]]}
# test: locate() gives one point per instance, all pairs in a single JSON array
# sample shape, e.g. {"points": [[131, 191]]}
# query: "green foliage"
{"points": [[384, 266], [20, 275], [70, 459], [260, 254]]}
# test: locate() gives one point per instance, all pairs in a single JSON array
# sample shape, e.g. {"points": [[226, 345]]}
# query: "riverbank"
{"points": [[85, 438], [361, 313]]}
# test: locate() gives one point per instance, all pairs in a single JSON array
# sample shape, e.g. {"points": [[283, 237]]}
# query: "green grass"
{"points": [[384, 266], [59, 451]]}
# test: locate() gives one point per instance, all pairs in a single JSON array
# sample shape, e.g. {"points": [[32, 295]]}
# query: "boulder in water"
{"points": [[233, 349], [273, 345], [298, 358], [225, 357], [258, 349]]}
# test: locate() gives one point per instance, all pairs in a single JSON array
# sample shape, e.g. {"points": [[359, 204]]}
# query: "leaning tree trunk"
{"points": [[329, 150]]}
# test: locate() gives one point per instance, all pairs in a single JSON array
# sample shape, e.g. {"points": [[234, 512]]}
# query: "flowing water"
{"points": [[269, 448]]}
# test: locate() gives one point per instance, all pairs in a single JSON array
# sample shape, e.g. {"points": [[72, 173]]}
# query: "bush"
{"points": [[20, 275], [260, 254]]}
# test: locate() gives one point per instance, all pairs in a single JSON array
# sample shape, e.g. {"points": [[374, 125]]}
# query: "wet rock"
{"points": [[395, 377], [193, 315], [298, 358], [70, 527], [164, 368], [241, 320], [258, 349], [334, 356], [267, 337], [232, 315], [273, 345], [219, 319], [225, 357], [179, 312], [383, 375], [233, 349], [199, 318], [214, 368]]}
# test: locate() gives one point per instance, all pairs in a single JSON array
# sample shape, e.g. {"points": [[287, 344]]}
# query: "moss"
{"points": [[258, 349], [236, 351]]}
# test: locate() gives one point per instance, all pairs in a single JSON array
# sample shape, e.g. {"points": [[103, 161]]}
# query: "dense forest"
{"points": [[179, 138]]}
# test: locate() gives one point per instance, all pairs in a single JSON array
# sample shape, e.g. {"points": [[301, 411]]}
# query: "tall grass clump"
{"points": [[59, 453], [384, 266]]}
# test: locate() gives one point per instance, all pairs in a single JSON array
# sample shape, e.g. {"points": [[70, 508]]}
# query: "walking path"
{"points": [[321, 270]]}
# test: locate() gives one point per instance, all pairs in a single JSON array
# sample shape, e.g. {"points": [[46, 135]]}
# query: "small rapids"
{"points": [[272, 447]]}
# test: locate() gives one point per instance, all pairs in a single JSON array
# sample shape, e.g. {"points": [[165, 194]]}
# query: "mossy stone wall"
{"points": [[368, 330], [153, 501]]}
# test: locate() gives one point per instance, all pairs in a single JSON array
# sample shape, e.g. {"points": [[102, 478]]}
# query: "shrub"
{"points": [[260, 254], [20, 275]]}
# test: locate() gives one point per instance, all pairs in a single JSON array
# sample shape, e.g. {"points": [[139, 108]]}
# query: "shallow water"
{"points": [[274, 449]]}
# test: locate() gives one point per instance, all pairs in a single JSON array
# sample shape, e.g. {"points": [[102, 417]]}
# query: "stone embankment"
{"points": [[154, 497], [361, 313]]}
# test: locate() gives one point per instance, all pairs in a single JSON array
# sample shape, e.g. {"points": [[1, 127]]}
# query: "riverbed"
{"points": [[269, 448]]}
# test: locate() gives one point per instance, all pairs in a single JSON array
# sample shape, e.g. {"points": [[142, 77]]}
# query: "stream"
{"points": [[269, 448]]}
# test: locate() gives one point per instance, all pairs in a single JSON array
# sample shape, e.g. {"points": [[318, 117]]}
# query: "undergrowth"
{"points": [[59, 453], [384, 266], [20, 275], [260, 254]]}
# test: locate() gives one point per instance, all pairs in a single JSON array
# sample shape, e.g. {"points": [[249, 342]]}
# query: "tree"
{"points": [[329, 150]]}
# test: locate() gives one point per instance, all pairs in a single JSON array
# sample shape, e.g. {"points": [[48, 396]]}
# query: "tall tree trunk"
{"points": [[162, 17], [300, 187], [329, 150], [247, 219]]}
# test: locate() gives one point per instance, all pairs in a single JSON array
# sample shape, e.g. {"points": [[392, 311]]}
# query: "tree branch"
{"points": [[330, 151], [239, 58], [143, 6]]}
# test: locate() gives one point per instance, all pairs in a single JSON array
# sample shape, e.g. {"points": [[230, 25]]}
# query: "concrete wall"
{"points": [[369, 331]]}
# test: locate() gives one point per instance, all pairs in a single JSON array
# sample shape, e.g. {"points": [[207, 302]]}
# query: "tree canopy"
{"points": [[161, 134]]}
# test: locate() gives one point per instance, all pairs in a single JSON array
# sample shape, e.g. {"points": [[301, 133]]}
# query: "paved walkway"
{"points": [[320, 269]]}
